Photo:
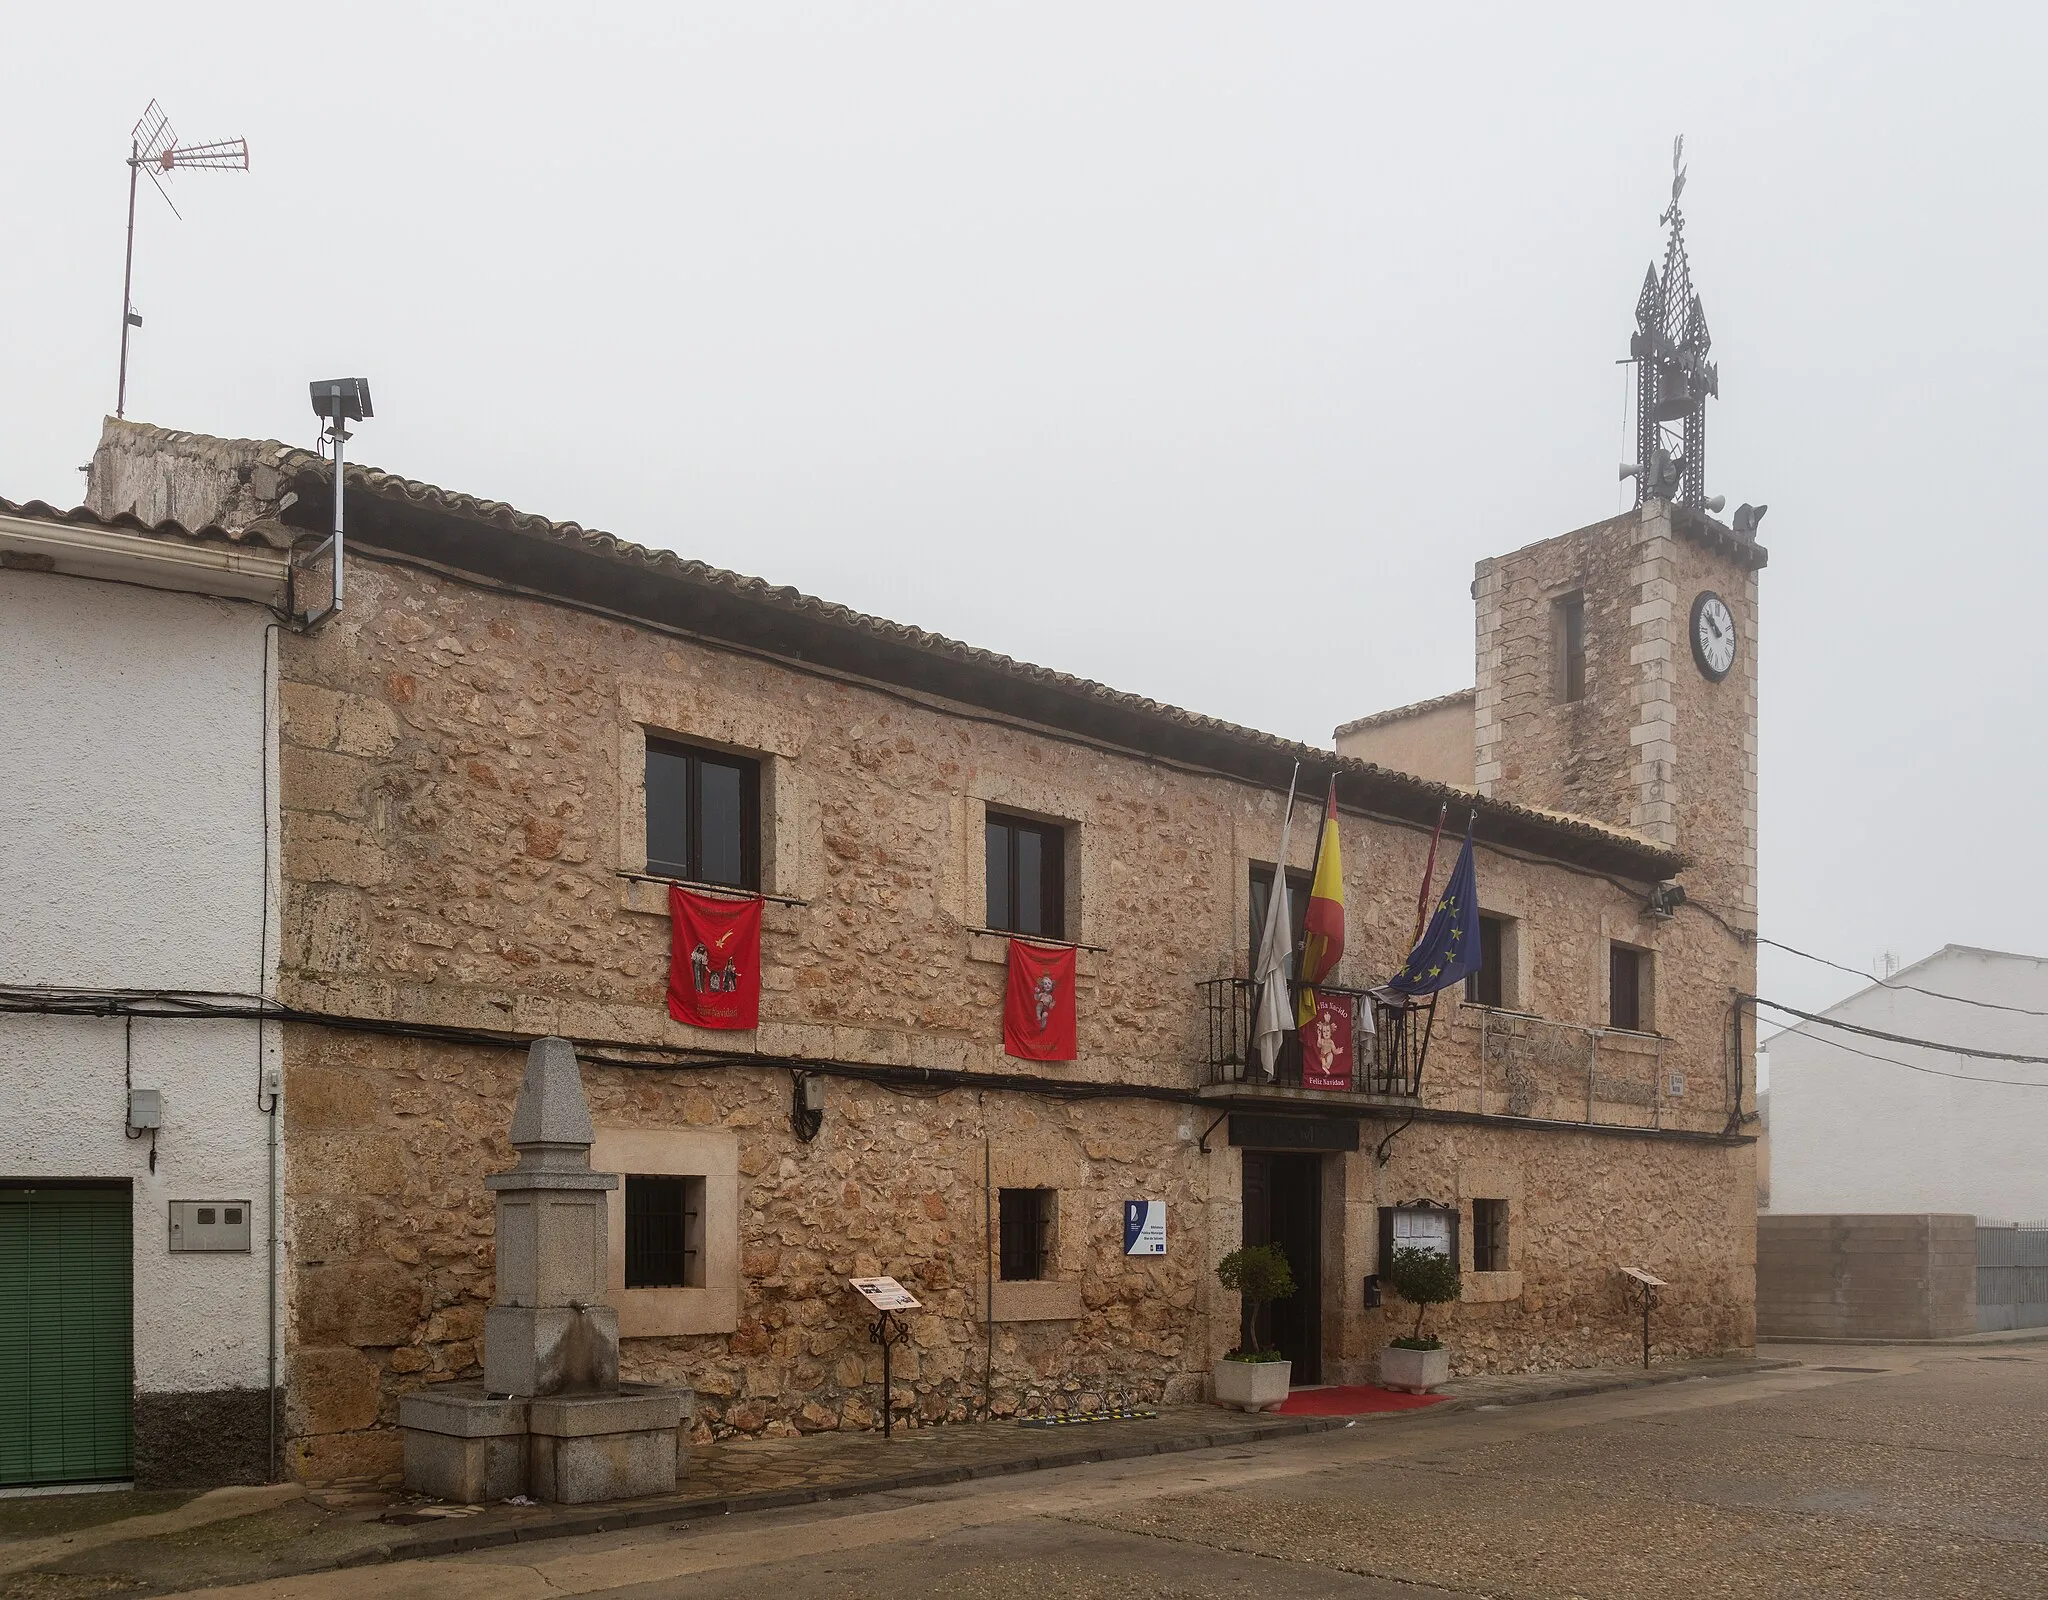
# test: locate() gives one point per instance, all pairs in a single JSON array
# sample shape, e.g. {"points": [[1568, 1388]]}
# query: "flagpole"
{"points": [[1315, 861], [1270, 936], [1429, 874]]}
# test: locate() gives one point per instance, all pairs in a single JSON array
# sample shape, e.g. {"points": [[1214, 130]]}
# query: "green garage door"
{"points": [[66, 1359]]}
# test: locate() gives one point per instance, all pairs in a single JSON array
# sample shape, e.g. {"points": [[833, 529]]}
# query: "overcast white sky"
{"points": [[1199, 349]]}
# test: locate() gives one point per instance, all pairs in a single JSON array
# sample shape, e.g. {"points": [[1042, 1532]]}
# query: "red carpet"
{"points": [[1349, 1400]]}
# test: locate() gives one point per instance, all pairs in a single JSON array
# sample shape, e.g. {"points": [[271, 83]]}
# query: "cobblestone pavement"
{"points": [[1914, 1473]]}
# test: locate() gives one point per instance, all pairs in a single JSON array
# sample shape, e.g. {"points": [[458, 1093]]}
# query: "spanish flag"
{"points": [[1322, 939]]}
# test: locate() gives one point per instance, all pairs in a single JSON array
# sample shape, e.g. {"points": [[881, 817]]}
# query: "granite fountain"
{"points": [[551, 1419]]}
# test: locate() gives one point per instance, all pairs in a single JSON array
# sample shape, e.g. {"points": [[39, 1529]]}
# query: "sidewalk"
{"points": [[361, 1526]]}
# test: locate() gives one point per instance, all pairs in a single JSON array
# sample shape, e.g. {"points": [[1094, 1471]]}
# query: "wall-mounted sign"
{"points": [[885, 1294], [1144, 1227]]}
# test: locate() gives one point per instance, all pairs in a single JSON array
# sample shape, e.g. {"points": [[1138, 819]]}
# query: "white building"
{"points": [[1867, 1124], [137, 671]]}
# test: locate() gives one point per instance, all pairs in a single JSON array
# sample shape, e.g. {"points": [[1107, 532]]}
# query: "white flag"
{"points": [[1275, 1017]]}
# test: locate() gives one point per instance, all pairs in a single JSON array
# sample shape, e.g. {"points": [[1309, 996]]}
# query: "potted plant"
{"points": [[1423, 1278], [1249, 1376]]}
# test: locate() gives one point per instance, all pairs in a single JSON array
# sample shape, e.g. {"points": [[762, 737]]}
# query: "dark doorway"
{"points": [[1283, 1205]]}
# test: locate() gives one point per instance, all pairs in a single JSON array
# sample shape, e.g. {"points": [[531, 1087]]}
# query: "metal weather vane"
{"points": [[1674, 378]]}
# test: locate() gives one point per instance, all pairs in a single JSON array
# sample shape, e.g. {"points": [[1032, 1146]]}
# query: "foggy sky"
{"points": [[1197, 349]]}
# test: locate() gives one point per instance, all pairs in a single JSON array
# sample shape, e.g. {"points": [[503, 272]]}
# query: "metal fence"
{"points": [[1386, 1058], [2012, 1276]]}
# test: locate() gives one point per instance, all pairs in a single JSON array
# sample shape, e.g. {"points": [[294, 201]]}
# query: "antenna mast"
{"points": [[153, 148]]}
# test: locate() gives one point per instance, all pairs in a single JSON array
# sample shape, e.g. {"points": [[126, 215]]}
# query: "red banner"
{"points": [[1038, 1007], [714, 967], [1326, 1043]]}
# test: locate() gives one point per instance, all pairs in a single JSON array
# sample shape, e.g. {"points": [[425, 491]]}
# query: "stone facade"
{"points": [[1432, 739], [461, 781]]}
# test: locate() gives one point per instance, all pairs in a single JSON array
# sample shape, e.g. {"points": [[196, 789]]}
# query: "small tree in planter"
{"points": [[1423, 1278], [1248, 1376]]}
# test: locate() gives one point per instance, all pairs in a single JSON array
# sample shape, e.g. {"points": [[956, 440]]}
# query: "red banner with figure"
{"points": [[1326, 1043], [714, 967], [1038, 1007]]}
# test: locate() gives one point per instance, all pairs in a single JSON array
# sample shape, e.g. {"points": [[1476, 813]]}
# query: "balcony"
{"points": [[1386, 1059]]}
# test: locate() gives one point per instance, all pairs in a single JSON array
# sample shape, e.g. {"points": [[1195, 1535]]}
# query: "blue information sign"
{"points": [[1144, 1227]]}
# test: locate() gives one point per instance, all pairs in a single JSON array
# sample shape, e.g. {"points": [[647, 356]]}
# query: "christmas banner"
{"points": [[714, 969], [1038, 1008], [1326, 1043]]}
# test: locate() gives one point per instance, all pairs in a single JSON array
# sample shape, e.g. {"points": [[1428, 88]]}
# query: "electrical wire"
{"points": [[1886, 983], [919, 1082], [1932, 1072], [1947, 1046]]}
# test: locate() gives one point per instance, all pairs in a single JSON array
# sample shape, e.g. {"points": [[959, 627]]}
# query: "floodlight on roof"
{"points": [[337, 402], [153, 148], [342, 399]]}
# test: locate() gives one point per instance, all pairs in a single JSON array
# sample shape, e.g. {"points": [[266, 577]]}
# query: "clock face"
{"points": [[1713, 635]]}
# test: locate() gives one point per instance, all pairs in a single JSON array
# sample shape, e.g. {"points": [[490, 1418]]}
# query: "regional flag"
{"points": [[714, 968], [1449, 947], [1322, 937], [1038, 1003]]}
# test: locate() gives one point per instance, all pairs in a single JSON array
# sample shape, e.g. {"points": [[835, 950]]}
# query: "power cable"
{"points": [[1886, 983], [1932, 1072], [1947, 1046]]}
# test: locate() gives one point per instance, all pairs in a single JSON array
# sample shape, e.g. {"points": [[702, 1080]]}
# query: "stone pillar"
{"points": [[549, 1330], [551, 1417]]}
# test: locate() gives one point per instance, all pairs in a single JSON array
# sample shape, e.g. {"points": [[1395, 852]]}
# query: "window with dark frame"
{"points": [[1025, 1222], [1489, 1236], [664, 1232], [1027, 876], [1626, 971], [1485, 987], [1569, 629], [703, 815]]}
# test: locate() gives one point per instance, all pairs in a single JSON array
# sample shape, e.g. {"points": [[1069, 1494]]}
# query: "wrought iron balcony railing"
{"points": [[1389, 1038]]}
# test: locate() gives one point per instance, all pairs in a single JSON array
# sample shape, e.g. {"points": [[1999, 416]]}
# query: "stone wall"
{"points": [[1866, 1277], [460, 785], [1653, 745], [1432, 739]]}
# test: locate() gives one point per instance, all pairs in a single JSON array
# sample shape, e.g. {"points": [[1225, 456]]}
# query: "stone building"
{"points": [[517, 730]]}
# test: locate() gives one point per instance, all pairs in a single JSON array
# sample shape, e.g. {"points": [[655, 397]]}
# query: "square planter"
{"points": [[1254, 1385], [1417, 1371]]}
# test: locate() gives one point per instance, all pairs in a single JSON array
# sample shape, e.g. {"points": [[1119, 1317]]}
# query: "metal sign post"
{"points": [[888, 1297], [1646, 1284]]}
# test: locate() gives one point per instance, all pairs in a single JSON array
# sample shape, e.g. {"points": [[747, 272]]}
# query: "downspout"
{"points": [[988, 1260], [268, 1083]]}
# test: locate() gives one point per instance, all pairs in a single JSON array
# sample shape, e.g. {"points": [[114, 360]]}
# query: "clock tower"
{"points": [[1616, 672]]}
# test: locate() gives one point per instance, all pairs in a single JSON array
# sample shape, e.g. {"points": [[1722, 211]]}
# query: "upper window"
{"points": [[1297, 906], [1026, 1233], [703, 816], [1027, 876], [664, 1232], [1628, 988], [1488, 985], [1568, 631]]}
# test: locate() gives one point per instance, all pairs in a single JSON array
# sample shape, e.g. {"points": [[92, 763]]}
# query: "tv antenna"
{"points": [[153, 148]]}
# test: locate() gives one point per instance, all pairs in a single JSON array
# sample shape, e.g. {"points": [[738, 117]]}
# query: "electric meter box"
{"points": [[209, 1226]]}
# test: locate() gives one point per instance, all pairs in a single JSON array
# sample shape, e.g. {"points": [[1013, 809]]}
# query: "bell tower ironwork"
{"points": [[1674, 378]]}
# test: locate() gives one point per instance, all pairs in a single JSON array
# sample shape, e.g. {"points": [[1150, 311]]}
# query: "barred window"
{"points": [[1026, 1229], [664, 1232]]}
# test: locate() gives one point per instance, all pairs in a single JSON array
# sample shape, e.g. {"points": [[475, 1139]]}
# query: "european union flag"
{"points": [[1449, 947]]}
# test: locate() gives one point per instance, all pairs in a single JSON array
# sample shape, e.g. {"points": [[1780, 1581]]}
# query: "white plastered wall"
{"points": [[133, 856], [1852, 1133]]}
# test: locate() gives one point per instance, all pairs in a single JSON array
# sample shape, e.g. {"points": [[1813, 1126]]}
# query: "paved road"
{"points": [[1928, 1478]]}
